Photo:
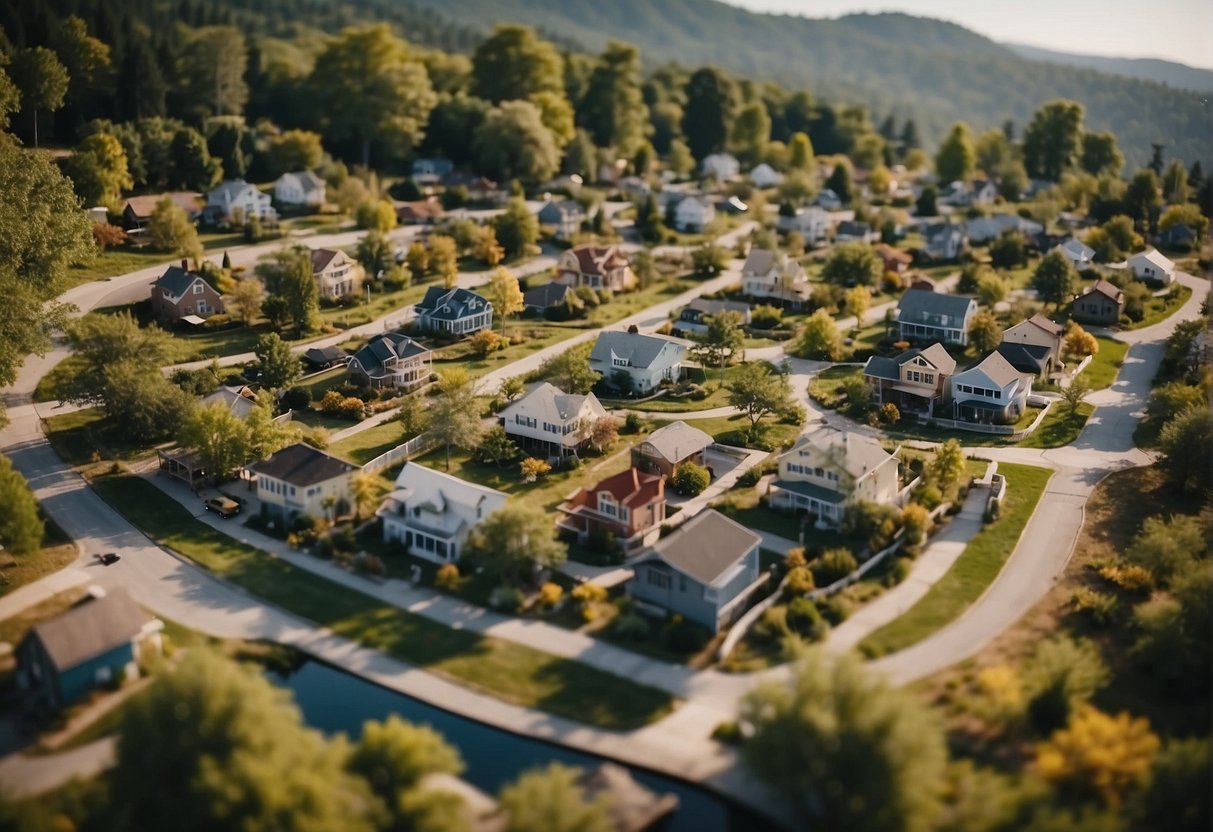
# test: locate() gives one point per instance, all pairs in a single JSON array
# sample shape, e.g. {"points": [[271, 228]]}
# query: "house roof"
{"points": [[322, 257], [597, 259], [301, 464], [143, 206], [887, 253], [916, 305], [809, 489], [307, 180], [852, 229], [854, 453], [1107, 289], [325, 355], [631, 488], [996, 368], [890, 368], [707, 546], [549, 294], [715, 307], [678, 440], [419, 208], [91, 628], [227, 191], [1030, 358], [452, 304], [386, 347], [759, 261], [1155, 258], [176, 281], [1077, 249], [1044, 324], [434, 491], [547, 401], [240, 400], [561, 211], [639, 350]]}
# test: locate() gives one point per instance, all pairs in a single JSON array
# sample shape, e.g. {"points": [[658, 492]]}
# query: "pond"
{"points": [[332, 700]]}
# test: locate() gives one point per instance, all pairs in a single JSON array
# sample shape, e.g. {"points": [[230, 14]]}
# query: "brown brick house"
{"points": [[1102, 304], [179, 294]]}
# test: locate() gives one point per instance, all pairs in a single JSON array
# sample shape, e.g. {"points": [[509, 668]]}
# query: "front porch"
{"points": [[981, 412], [792, 495]]}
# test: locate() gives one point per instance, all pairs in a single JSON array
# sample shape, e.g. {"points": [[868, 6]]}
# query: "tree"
{"points": [[214, 62], [288, 279], [690, 479], [112, 343], [376, 254], [246, 760], [845, 749], [514, 541], [217, 436], [992, 151], [985, 333], [858, 299], [916, 521], [444, 259], [551, 800], [514, 143], [496, 448], [293, 150], [98, 170], [957, 158], [532, 469], [1188, 215], [1175, 184], [820, 338], [505, 294], [517, 228], [190, 163], [797, 188], [707, 118], [86, 59], [948, 465], [613, 108], [992, 289], [1074, 395], [279, 366], [1008, 251], [488, 250], [750, 134], [1100, 154], [1143, 198], [21, 527], [709, 260], [1105, 755], [376, 215], [1052, 140], [1122, 235], [603, 433], [679, 159], [1078, 342], [455, 413], [1177, 796], [580, 156], [1186, 443], [570, 370], [800, 152], [851, 264], [1168, 548], [393, 757], [720, 341], [758, 392], [512, 63], [840, 182], [42, 79], [1054, 279], [244, 303], [651, 225], [370, 89], [926, 207]]}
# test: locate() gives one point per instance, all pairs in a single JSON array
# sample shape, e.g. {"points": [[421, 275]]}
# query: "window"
{"points": [[606, 505], [292, 491], [682, 583], [659, 579], [199, 288], [618, 362], [818, 472]]}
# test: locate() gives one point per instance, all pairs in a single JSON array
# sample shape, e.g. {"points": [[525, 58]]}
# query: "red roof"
{"points": [[593, 259], [632, 488]]}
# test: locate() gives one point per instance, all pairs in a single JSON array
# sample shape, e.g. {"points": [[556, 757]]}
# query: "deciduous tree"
{"points": [[820, 338], [1108, 756], [957, 158], [288, 279], [455, 412], [551, 800], [21, 527], [711, 104], [505, 295], [244, 303], [514, 143], [1051, 142], [1054, 279], [42, 79], [514, 541], [517, 228], [280, 367], [758, 392], [513, 63], [985, 333], [98, 170]]}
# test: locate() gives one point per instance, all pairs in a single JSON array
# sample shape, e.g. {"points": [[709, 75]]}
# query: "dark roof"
{"points": [[560, 211], [1028, 358], [880, 367], [176, 280], [853, 229], [90, 629], [301, 464], [325, 355], [451, 304], [386, 347], [549, 294], [1107, 289], [808, 489], [706, 546], [321, 257], [715, 307], [639, 350], [918, 306]]}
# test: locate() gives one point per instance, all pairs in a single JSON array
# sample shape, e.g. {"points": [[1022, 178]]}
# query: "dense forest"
{"points": [[1172, 74]]}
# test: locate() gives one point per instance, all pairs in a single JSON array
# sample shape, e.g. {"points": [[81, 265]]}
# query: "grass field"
{"points": [[363, 446], [1159, 309], [509, 671], [1058, 428], [718, 394], [975, 570], [734, 430], [1102, 370]]}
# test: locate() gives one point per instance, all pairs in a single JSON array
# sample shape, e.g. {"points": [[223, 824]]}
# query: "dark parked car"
{"points": [[109, 558]]}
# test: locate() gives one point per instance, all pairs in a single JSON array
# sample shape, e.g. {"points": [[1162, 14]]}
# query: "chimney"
{"points": [[185, 264]]}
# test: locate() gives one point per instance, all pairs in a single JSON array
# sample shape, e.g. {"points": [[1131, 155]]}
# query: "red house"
{"points": [[629, 505]]}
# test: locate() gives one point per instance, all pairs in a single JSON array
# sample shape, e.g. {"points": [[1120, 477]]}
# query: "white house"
{"points": [[765, 176], [773, 275], [693, 214], [719, 166], [1078, 253], [236, 198], [552, 420], [647, 360], [991, 392], [812, 223], [828, 469], [1153, 266], [300, 481], [335, 273], [300, 188], [431, 514]]}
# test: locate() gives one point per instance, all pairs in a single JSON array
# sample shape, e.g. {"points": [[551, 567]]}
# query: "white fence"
{"points": [[402, 452]]}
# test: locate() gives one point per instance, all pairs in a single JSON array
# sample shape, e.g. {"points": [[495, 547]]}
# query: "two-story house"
{"points": [[695, 315], [693, 214], [564, 216], [827, 470], [335, 273], [1102, 303], [991, 392], [301, 188], [453, 311], [915, 380], [1034, 346], [599, 267], [981, 230], [934, 316], [646, 360], [893, 259], [391, 360], [1153, 266], [704, 571], [773, 276], [236, 201], [431, 514], [300, 481], [668, 447], [812, 223], [551, 420], [183, 295], [719, 166], [628, 505], [944, 242]]}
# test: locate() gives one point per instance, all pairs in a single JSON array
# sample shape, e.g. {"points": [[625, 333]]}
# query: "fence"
{"points": [[418, 444]]}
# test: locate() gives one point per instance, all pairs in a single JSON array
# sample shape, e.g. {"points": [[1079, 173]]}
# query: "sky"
{"points": [[1174, 30]]}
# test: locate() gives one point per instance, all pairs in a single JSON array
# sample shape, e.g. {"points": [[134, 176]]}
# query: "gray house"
{"points": [[933, 316], [565, 216], [455, 311], [704, 571], [648, 360]]}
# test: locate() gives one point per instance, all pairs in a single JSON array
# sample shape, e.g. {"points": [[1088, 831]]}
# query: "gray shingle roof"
{"points": [[176, 280], [707, 546], [997, 369], [451, 304], [549, 294], [386, 347], [919, 306], [1029, 358], [640, 350], [302, 465], [853, 453], [880, 367], [678, 440], [760, 261], [90, 629]]}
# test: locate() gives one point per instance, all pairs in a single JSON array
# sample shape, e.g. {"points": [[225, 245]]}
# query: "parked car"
{"points": [[222, 506], [109, 558]]}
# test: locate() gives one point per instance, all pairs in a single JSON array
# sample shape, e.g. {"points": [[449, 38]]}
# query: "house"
{"points": [[302, 188], [455, 311], [479, 188], [1153, 266], [990, 392], [705, 571], [1082, 256], [635, 187], [391, 360], [542, 298], [765, 176], [894, 259], [236, 201], [431, 514], [335, 272], [694, 316], [812, 223], [719, 166], [138, 210], [430, 171], [1034, 346], [565, 216], [693, 214], [1180, 236], [916, 380], [419, 212], [628, 506], [775, 276], [183, 295], [854, 232], [829, 200], [599, 267], [552, 420], [977, 192], [646, 360], [97, 642], [827, 470], [302, 482], [668, 447], [1102, 304], [321, 358], [239, 401], [934, 316], [944, 241], [982, 230]]}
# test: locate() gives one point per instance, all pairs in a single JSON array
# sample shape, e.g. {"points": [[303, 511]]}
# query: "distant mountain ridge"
{"points": [[1180, 76], [933, 71]]}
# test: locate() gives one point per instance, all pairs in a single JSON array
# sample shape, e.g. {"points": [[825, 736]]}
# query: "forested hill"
{"points": [[936, 72], [1172, 74]]}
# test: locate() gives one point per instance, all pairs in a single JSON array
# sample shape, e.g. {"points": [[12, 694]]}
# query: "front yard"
{"points": [[1102, 370]]}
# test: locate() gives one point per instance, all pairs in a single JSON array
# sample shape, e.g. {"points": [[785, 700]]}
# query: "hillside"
{"points": [[1180, 76], [936, 72]]}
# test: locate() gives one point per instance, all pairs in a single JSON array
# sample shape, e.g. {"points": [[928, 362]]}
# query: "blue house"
{"points": [[98, 642], [454, 311], [704, 571]]}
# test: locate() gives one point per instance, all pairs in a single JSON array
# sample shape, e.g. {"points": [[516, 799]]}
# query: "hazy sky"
{"points": [[1175, 30]]}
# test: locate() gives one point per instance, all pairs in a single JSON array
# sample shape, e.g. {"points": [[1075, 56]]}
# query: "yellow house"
{"points": [[301, 481], [827, 470]]}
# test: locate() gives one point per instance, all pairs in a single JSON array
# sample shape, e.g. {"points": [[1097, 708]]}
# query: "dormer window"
{"points": [[199, 288]]}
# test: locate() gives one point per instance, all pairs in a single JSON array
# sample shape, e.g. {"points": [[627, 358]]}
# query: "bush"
{"points": [[682, 636], [750, 477], [728, 732], [834, 610], [772, 625], [1130, 577], [805, 620], [690, 479], [550, 595], [832, 566], [631, 626], [588, 593], [506, 599], [296, 398], [447, 577], [352, 408], [632, 423], [928, 496], [898, 570], [1098, 607], [766, 317]]}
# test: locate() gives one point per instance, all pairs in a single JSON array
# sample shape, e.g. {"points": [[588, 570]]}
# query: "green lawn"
{"points": [[57, 552], [973, 571], [1159, 309], [501, 668], [718, 394], [77, 436], [734, 430], [826, 388], [1102, 370], [1058, 428], [745, 508], [363, 446], [114, 262]]}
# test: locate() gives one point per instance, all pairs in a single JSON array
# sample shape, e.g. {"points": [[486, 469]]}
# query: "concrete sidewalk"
{"points": [[30, 595]]}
